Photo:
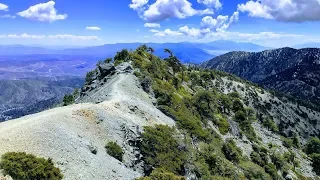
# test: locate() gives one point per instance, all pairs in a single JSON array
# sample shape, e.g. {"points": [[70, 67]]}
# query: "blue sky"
{"points": [[272, 23]]}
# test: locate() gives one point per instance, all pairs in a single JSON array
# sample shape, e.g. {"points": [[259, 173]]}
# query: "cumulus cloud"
{"points": [[93, 28], [212, 23], [4, 7], [44, 12], [152, 25], [211, 3], [194, 32], [283, 10], [221, 23], [137, 4], [167, 32], [59, 36], [207, 25], [8, 16], [164, 9]]}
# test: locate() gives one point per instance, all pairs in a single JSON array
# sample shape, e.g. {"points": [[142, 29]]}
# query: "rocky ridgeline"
{"points": [[103, 74]]}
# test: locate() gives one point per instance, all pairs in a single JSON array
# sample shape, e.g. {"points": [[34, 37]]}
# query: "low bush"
{"points": [[278, 160], [160, 149], [161, 174], [316, 163], [313, 146], [114, 150], [231, 151], [253, 171], [68, 99], [20, 165], [222, 123]]}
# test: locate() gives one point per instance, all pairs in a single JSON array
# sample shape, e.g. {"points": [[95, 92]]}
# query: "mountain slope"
{"points": [[68, 134], [222, 126], [22, 97], [288, 70]]}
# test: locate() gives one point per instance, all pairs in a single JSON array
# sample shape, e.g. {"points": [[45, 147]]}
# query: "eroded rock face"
{"points": [[106, 70]]}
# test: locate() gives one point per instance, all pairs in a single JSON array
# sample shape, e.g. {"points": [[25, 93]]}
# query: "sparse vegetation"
{"points": [[196, 100], [20, 165], [161, 174], [114, 150], [160, 149], [68, 99], [231, 151]]}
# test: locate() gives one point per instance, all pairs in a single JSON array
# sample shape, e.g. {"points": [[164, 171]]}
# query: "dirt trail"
{"points": [[68, 134]]}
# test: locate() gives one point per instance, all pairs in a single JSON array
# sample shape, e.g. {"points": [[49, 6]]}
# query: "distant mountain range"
{"points": [[291, 71], [27, 96], [187, 52], [307, 45]]}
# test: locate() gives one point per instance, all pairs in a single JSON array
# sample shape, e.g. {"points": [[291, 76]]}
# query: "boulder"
{"points": [[105, 70], [125, 67]]}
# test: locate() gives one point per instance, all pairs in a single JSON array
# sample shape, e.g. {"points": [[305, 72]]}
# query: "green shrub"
{"points": [[162, 174], [255, 157], [316, 163], [114, 150], [20, 165], [272, 170], [160, 149], [240, 116], [263, 154], [253, 171], [231, 151], [287, 142], [245, 125], [237, 105], [123, 55], [222, 123], [278, 160], [313, 146], [68, 99], [234, 95], [270, 125], [90, 76]]}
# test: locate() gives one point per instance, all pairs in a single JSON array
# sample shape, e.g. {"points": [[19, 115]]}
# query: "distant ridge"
{"points": [[187, 52], [288, 70]]}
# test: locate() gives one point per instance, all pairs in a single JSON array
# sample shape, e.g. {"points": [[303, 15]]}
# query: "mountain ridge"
{"points": [[188, 122], [259, 66]]}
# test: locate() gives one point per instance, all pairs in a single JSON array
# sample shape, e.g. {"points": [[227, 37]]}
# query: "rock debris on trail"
{"points": [[113, 107]]}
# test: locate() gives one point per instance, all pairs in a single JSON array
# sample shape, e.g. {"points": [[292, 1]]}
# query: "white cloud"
{"points": [[221, 23], [154, 30], [168, 32], [193, 32], [93, 28], [137, 4], [73, 37], [44, 12], [152, 25], [283, 10], [255, 9], [4, 7], [8, 16], [59, 36], [213, 24], [165, 9], [211, 3]]}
